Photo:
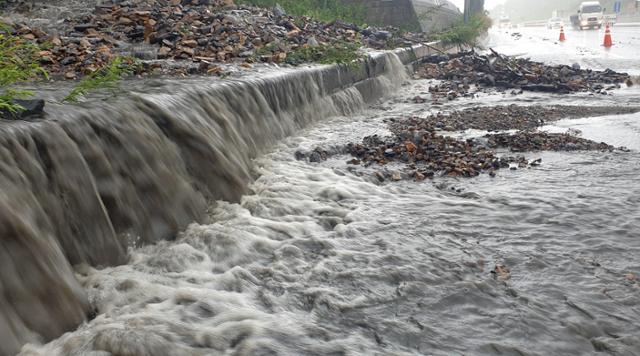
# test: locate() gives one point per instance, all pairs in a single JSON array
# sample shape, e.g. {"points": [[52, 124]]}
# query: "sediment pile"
{"points": [[543, 141], [417, 149], [427, 154], [511, 117], [495, 70]]}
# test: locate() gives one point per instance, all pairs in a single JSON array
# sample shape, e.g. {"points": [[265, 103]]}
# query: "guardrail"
{"points": [[534, 23]]}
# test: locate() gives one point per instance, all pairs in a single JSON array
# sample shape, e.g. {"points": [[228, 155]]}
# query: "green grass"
{"points": [[323, 10], [104, 78], [338, 53], [466, 34], [18, 64]]}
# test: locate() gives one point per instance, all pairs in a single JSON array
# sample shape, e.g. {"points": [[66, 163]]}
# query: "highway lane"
{"points": [[582, 47]]}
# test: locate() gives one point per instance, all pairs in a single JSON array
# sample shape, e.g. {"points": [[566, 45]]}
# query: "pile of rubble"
{"points": [[495, 70], [512, 117], [422, 152], [427, 154], [543, 141], [196, 32]]}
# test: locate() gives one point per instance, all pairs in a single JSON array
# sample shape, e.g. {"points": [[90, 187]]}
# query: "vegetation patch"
{"points": [[466, 33], [338, 53], [323, 10], [18, 64], [104, 78]]}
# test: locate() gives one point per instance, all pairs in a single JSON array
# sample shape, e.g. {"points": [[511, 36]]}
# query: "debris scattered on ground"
{"points": [[501, 272], [543, 141], [427, 154], [495, 70], [511, 117], [197, 34], [416, 150]]}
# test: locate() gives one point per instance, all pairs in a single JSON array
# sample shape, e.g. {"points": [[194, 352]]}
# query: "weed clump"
{"points": [[323, 10], [18, 64], [334, 53], [104, 78], [466, 34]]}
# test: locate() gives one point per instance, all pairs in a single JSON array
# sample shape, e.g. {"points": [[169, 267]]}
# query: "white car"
{"points": [[555, 22]]}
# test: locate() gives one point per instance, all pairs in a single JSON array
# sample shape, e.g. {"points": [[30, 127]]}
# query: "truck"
{"points": [[575, 21], [590, 15], [504, 22]]}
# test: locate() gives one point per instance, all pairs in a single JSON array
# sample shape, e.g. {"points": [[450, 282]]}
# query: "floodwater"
{"points": [[317, 260]]}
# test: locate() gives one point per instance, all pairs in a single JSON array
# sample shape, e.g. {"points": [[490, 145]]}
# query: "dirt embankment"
{"points": [[183, 36]]}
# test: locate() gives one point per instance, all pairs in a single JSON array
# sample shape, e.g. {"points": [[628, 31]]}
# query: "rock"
{"points": [[313, 42], [55, 40], [566, 71], [164, 52], [575, 66], [32, 108], [46, 60], [189, 51], [278, 11], [190, 43], [83, 27], [67, 61], [85, 43], [382, 35]]}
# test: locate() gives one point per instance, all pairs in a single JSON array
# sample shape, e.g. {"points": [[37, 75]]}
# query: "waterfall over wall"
{"points": [[87, 184]]}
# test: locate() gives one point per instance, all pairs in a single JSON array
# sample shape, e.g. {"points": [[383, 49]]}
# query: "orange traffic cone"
{"points": [[607, 37], [562, 37]]}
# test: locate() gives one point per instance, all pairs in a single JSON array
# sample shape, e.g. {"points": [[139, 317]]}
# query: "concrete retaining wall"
{"points": [[89, 181]]}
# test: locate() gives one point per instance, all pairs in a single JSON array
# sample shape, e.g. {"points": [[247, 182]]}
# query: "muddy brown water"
{"points": [[314, 260]]}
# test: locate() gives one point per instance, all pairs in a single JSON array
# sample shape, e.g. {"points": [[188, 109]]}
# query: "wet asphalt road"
{"points": [[582, 47]]}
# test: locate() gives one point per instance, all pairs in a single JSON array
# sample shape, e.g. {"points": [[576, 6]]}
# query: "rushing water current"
{"points": [[317, 260]]}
